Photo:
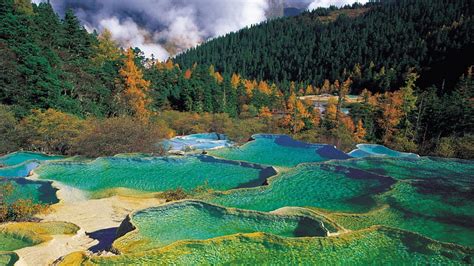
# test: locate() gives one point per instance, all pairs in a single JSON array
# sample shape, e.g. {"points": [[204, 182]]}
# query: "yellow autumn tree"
{"points": [[335, 86], [249, 86], [366, 94], [347, 122], [330, 114], [216, 75], [50, 130], [235, 80], [264, 88], [168, 65], [360, 132], [23, 6], [326, 86], [315, 117], [390, 105], [296, 114], [106, 49], [265, 113], [134, 95], [342, 92]]}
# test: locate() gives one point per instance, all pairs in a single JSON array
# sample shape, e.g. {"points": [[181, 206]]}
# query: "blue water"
{"points": [[203, 141], [19, 170], [373, 150], [280, 150], [18, 165], [21, 157]]}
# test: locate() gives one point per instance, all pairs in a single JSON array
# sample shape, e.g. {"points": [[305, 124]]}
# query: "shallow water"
{"points": [[188, 220], [312, 185], [414, 168], [19, 165], [155, 174], [203, 141], [434, 197], [19, 170], [374, 246], [374, 150], [279, 150], [430, 196], [36, 191], [21, 157], [10, 242]]}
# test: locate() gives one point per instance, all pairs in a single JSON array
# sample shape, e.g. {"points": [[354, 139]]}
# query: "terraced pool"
{"points": [[374, 150], [153, 174], [316, 185], [279, 150], [377, 245], [21, 157], [18, 165], [203, 141], [322, 207], [194, 220]]}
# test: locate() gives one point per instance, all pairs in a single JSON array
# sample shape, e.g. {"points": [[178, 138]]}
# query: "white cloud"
{"points": [[150, 23], [129, 34], [181, 24]]}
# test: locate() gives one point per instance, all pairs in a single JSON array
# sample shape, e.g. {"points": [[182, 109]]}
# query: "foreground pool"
{"points": [[188, 220], [376, 245]]}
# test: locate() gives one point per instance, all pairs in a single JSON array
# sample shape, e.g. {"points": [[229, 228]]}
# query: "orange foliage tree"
{"points": [[265, 113], [296, 114], [390, 105], [235, 80], [134, 96], [360, 132]]}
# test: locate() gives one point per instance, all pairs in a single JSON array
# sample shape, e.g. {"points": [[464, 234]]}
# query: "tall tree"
{"points": [[106, 48], [134, 95]]}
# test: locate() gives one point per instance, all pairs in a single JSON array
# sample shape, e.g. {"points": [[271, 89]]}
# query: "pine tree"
{"points": [[409, 103]]}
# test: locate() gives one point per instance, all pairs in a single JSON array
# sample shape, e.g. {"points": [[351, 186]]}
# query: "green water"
{"points": [[279, 150], [406, 168], [449, 219], [21, 157], [19, 170], [311, 185], [382, 246], [433, 197], [154, 173], [10, 242], [189, 220], [429, 196], [8, 258], [36, 191]]}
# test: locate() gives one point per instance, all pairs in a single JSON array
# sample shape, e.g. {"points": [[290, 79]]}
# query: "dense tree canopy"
{"points": [[377, 44]]}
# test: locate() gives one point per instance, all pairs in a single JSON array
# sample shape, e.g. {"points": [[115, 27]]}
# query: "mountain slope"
{"points": [[386, 39]]}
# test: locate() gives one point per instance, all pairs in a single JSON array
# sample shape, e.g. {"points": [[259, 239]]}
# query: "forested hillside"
{"points": [[64, 90], [378, 45]]}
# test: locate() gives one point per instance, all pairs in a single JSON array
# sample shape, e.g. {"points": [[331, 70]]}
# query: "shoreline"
{"points": [[90, 215]]}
